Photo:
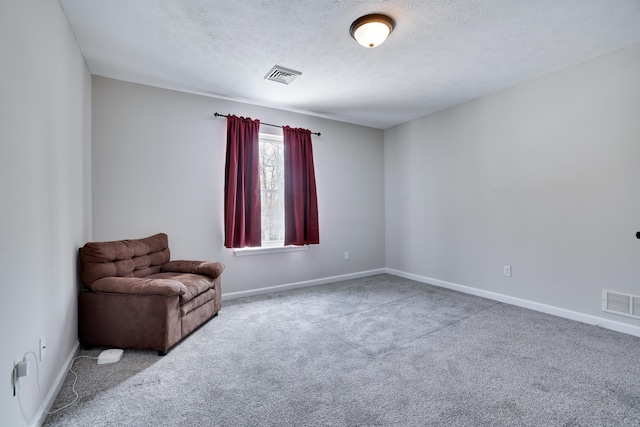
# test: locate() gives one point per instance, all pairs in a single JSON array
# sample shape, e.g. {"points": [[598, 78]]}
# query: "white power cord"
{"points": [[73, 386]]}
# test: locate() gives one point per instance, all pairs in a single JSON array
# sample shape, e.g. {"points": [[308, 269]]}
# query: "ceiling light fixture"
{"points": [[372, 30]]}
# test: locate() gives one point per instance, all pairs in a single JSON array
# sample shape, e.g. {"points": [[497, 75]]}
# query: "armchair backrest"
{"points": [[123, 258]]}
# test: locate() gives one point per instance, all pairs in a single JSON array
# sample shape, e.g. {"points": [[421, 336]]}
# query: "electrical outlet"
{"points": [[43, 348], [507, 270], [346, 256]]}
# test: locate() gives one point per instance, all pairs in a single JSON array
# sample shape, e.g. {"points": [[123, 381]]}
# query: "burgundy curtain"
{"points": [[300, 199], [242, 183]]}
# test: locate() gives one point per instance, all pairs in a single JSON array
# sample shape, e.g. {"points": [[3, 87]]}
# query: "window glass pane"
{"points": [[272, 187]]}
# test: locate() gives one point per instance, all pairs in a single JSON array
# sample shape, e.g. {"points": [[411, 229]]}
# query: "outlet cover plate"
{"points": [[43, 348]]}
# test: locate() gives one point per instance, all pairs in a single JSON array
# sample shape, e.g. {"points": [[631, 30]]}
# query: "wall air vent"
{"points": [[282, 75], [619, 303]]}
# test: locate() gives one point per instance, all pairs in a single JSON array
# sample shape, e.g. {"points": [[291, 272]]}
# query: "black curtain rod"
{"points": [[262, 123]]}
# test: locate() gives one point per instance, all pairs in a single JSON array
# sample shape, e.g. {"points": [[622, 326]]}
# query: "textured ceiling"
{"points": [[441, 53]]}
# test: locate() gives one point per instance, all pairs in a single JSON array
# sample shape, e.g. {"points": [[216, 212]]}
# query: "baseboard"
{"points": [[305, 284], [41, 415], [532, 305]]}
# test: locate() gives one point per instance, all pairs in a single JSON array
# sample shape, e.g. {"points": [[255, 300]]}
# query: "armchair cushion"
{"points": [[123, 258], [140, 286], [194, 284]]}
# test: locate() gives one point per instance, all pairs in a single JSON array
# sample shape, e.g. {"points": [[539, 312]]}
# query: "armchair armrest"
{"points": [[206, 268], [140, 286]]}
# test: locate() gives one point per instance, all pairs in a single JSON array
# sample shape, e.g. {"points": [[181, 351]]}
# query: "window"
{"points": [[272, 189], [255, 166]]}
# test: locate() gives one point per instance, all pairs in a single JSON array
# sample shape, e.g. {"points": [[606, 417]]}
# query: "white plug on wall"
{"points": [[22, 369]]}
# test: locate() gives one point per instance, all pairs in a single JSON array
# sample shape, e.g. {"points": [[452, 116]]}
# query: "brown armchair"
{"points": [[135, 297]]}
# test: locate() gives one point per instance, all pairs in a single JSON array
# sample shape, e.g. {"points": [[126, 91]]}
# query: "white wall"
{"points": [[543, 177], [45, 97], [158, 166]]}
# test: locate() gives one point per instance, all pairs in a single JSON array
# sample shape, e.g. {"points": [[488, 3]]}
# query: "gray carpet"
{"points": [[375, 351]]}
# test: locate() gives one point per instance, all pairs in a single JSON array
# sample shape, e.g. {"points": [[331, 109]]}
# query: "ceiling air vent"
{"points": [[619, 303], [282, 75]]}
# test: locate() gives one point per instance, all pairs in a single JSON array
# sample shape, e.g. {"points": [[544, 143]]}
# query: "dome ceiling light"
{"points": [[372, 30]]}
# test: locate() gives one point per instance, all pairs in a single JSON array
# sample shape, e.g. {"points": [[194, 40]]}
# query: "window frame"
{"points": [[273, 246]]}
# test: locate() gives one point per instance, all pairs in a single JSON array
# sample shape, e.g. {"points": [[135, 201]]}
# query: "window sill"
{"points": [[269, 250]]}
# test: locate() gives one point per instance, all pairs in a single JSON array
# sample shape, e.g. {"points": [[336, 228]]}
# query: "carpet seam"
{"points": [[372, 308], [439, 329]]}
